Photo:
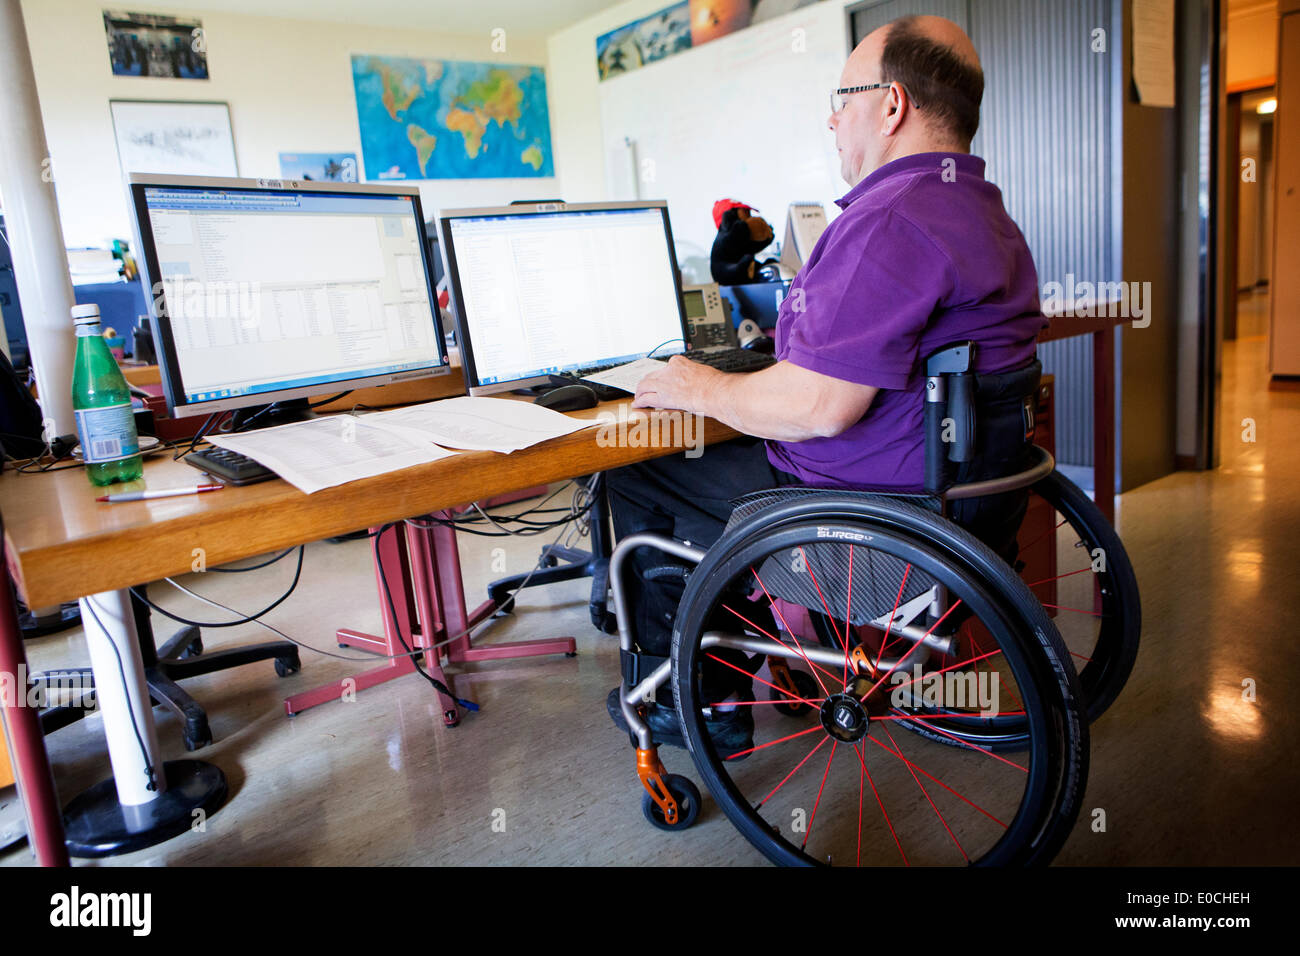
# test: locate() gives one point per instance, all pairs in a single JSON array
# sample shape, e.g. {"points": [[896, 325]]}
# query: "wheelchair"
{"points": [[900, 693]]}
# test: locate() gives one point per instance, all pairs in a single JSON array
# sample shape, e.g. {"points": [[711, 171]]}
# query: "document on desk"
{"points": [[626, 377], [324, 452], [482, 424]]}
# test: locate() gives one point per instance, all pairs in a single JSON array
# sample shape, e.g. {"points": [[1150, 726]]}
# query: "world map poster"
{"points": [[451, 119]]}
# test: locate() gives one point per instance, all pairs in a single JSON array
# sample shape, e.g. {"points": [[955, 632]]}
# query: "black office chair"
{"points": [[559, 563], [180, 658]]}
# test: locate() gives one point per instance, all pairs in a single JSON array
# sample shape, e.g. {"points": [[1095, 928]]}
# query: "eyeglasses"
{"points": [[837, 96]]}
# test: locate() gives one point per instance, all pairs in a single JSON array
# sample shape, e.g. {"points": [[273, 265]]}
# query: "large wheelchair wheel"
{"points": [[1078, 570], [839, 783], [1089, 589]]}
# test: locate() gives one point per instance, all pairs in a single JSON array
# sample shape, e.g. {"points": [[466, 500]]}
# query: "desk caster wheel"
{"points": [[284, 666], [451, 718], [506, 607], [197, 734], [193, 649], [570, 653], [687, 796]]}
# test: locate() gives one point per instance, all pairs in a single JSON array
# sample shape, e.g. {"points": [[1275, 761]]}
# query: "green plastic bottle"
{"points": [[101, 402]]}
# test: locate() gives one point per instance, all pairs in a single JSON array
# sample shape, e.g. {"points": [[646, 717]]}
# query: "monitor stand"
{"points": [[267, 416]]}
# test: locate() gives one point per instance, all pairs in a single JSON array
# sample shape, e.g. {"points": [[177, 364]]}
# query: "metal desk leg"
{"points": [[26, 739], [145, 801]]}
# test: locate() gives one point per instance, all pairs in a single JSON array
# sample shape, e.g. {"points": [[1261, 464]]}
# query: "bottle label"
{"points": [[107, 434]]}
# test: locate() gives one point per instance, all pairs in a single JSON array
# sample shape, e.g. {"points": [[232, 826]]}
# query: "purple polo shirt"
{"points": [[923, 254]]}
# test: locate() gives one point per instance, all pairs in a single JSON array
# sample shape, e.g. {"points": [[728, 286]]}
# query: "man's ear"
{"points": [[895, 108]]}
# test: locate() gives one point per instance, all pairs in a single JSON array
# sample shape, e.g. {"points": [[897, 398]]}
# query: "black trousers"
{"points": [[684, 498]]}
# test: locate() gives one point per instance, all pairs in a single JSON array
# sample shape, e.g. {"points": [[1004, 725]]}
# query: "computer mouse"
{"points": [[568, 398]]}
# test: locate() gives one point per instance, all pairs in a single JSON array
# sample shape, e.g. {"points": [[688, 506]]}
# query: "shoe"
{"points": [[732, 732]]}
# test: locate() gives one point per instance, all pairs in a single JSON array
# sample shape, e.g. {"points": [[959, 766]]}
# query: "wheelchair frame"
{"points": [[949, 402]]}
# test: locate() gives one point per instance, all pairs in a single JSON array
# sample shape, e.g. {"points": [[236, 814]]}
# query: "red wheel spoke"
{"points": [[816, 803], [876, 793], [960, 849], [898, 598], [1086, 660], [773, 743], [885, 676], [928, 721], [793, 636], [955, 793], [947, 712], [848, 616], [939, 671], [800, 651], [1042, 536], [755, 703], [861, 781], [829, 616], [795, 770], [742, 670], [1010, 693], [1076, 610], [1067, 574]]}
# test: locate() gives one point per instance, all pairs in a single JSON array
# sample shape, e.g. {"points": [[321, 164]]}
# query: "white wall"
{"points": [[288, 83], [575, 94]]}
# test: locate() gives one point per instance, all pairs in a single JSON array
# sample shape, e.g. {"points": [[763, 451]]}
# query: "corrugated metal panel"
{"points": [[1045, 133]]}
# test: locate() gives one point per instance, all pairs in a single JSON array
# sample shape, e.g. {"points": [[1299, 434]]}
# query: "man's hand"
{"points": [[680, 384], [783, 402]]}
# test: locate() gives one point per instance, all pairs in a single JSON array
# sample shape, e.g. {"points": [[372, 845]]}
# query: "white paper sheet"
{"points": [[324, 452], [483, 424], [626, 377]]}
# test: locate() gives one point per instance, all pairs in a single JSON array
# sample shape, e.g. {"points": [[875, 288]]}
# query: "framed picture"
{"points": [[149, 44], [180, 137]]}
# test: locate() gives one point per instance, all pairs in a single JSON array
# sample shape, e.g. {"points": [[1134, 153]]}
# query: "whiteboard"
{"points": [[743, 117]]}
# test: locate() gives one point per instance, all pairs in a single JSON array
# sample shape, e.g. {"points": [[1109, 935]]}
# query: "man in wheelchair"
{"points": [[923, 254]]}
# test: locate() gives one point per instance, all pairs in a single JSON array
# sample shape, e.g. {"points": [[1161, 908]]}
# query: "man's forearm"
{"points": [[754, 404]]}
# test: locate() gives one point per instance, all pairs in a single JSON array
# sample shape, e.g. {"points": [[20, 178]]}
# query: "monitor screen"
{"points": [[557, 288], [284, 290]]}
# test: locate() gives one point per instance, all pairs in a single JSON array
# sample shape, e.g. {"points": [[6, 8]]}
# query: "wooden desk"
{"points": [[61, 544], [1102, 329]]}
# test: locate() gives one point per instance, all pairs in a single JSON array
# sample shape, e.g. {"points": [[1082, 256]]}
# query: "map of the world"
{"points": [[449, 119]]}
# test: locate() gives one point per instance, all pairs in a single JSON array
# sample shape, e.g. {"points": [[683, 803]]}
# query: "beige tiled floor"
{"points": [[1185, 770]]}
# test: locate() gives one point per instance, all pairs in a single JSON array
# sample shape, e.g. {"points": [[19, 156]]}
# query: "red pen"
{"points": [[162, 493]]}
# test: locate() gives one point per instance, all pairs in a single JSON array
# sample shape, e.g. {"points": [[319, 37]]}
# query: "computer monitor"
{"points": [[555, 287], [266, 291]]}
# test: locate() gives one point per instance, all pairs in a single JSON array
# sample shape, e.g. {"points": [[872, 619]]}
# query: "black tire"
{"points": [[688, 800], [1045, 805], [1111, 661]]}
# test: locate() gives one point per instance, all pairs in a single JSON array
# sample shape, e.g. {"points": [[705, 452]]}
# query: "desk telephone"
{"points": [[708, 320]]}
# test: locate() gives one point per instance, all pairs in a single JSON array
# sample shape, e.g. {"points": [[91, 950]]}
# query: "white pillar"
{"points": [[32, 221], [122, 696]]}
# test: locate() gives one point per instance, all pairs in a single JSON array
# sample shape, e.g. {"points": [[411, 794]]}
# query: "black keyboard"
{"points": [[230, 466], [731, 359]]}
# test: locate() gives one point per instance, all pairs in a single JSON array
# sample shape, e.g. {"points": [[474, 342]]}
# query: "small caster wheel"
{"points": [[284, 666], [687, 796], [570, 653], [805, 685], [197, 737], [506, 607], [193, 649], [550, 561], [451, 718]]}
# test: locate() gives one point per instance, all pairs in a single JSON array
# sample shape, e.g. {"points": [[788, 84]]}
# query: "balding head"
{"points": [[931, 102], [936, 63]]}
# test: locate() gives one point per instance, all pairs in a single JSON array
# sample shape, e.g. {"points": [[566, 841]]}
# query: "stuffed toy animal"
{"points": [[741, 235]]}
